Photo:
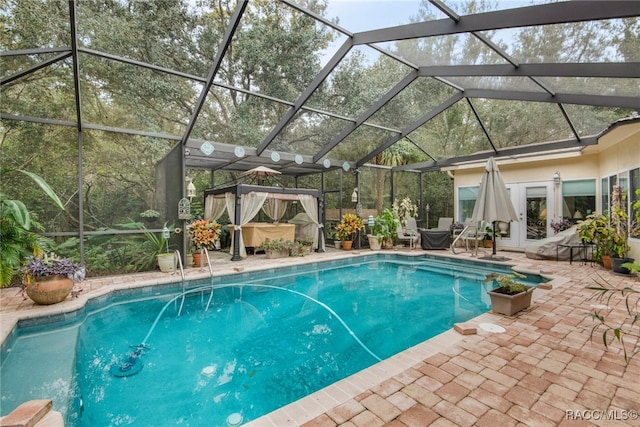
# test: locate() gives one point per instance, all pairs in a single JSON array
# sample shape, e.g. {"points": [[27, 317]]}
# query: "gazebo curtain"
{"points": [[310, 205], [275, 208], [214, 208], [249, 208]]}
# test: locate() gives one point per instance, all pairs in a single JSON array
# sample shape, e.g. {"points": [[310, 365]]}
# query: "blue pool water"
{"points": [[265, 341]]}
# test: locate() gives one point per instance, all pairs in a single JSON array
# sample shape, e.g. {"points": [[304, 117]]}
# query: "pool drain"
{"points": [[234, 419], [208, 371]]}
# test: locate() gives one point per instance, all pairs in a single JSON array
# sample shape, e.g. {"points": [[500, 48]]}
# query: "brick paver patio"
{"points": [[544, 370]]}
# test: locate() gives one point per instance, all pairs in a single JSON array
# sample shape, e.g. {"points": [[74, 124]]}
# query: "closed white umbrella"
{"points": [[493, 203]]}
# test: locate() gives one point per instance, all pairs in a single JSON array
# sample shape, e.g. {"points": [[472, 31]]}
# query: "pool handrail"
{"points": [[177, 254], [468, 229], [184, 290]]}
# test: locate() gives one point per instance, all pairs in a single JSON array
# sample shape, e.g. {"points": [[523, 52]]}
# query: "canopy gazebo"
{"points": [[242, 202]]}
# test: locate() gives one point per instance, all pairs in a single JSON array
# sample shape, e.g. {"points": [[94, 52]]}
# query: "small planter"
{"points": [[616, 265], [199, 260], [337, 243], [509, 305], [281, 253], [606, 262], [167, 262], [387, 243], [49, 289], [488, 244], [347, 245], [374, 243]]}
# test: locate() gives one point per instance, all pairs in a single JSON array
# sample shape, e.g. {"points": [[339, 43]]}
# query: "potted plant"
{"points": [[301, 247], [379, 232], [336, 241], [347, 229], [19, 240], [305, 244], [488, 237], [388, 223], [150, 215], [620, 246], [404, 209], [204, 234], [510, 296], [277, 248], [158, 250], [49, 279], [633, 267], [596, 228]]}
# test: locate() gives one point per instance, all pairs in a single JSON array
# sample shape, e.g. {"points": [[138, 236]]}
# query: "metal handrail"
{"points": [[210, 278], [205, 253], [462, 235], [177, 254]]}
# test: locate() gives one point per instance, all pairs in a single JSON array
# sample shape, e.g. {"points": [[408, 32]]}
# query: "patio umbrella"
{"points": [[261, 171], [261, 174], [493, 203]]}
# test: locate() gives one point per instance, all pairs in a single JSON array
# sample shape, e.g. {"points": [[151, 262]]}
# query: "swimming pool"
{"points": [[263, 343]]}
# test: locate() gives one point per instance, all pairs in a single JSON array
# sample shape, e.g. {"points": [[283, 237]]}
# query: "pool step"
{"points": [[34, 413]]}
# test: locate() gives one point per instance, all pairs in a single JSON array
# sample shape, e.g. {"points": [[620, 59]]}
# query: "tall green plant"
{"points": [[615, 328], [620, 245], [596, 228], [17, 239]]}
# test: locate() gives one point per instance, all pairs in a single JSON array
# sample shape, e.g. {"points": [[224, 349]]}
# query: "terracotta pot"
{"points": [[49, 289], [347, 245], [199, 260], [606, 262]]}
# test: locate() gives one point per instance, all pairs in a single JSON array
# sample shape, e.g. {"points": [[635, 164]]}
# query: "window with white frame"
{"points": [[466, 201], [578, 199]]}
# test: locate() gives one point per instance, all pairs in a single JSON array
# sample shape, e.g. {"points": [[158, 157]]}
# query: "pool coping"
{"points": [[319, 402]]}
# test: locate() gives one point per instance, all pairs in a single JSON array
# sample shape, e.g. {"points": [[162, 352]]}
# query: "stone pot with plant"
{"points": [[49, 279], [379, 232], [157, 246], [19, 241], [510, 296], [277, 248]]}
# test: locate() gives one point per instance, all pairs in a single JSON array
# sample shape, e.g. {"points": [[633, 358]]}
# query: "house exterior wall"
{"points": [[617, 151]]}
